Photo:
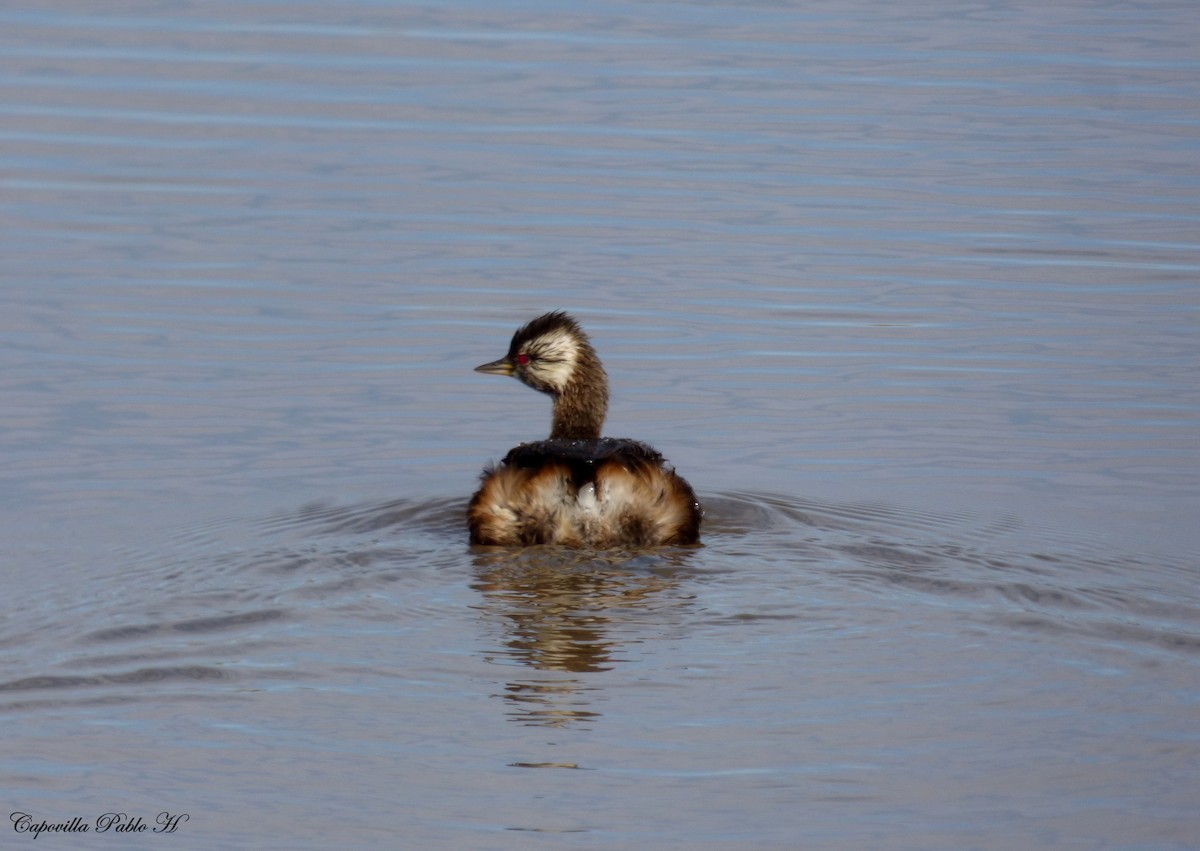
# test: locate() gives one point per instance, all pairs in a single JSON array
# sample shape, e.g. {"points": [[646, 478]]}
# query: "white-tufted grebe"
{"points": [[576, 488]]}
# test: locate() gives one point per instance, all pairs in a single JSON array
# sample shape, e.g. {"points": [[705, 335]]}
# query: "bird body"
{"points": [[576, 488]]}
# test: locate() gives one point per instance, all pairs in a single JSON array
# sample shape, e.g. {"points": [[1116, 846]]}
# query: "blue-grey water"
{"points": [[908, 291]]}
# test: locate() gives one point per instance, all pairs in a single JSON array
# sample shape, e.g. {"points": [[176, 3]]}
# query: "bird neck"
{"points": [[580, 408]]}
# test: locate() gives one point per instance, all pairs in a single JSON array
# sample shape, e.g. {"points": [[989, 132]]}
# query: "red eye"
{"points": [[522, 359]]}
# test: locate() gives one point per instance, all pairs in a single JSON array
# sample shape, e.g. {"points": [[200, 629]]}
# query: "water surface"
{"points": [[907, 293]]}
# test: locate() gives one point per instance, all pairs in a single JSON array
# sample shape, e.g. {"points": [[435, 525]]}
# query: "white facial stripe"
{"points": [[555, 353]]}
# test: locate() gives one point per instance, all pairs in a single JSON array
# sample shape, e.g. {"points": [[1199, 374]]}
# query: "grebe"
{"points": [[576, 488]]}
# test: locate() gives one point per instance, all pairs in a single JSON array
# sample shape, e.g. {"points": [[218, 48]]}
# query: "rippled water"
{"points": [[907, 292]]}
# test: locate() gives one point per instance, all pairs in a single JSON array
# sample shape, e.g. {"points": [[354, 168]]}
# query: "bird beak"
{"points": [[497, 367]]}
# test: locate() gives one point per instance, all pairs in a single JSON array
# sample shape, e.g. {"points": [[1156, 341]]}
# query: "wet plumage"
{"points": [[576, 488]]}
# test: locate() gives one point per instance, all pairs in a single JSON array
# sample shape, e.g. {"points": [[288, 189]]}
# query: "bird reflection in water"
{"points": [[564, 613]]}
